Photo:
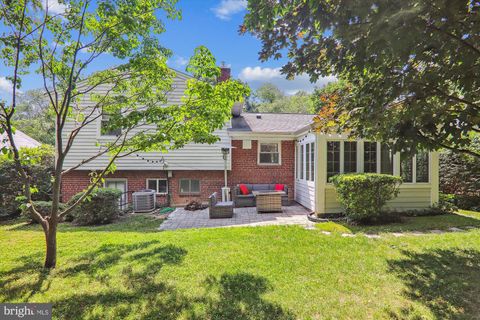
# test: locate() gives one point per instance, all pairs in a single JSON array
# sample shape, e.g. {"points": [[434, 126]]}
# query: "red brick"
{"points": [[245, 169]]}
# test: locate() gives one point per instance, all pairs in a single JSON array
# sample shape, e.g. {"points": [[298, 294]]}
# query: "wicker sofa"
{"points": [[217, 210], [248, 200]]}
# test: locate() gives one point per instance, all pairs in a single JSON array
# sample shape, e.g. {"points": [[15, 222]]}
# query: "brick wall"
{"points": [[244, 170], [210, 181], [245, 167]]}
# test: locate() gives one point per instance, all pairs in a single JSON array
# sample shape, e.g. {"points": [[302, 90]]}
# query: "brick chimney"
{"points": [[224, 73]]}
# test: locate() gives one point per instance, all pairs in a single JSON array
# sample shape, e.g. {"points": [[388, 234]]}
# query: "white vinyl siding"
{"points": [[305, 172], [190, 157]]}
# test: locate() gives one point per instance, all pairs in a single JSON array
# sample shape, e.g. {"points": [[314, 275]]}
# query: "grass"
{"points": [[127, 270], [463, 218]]}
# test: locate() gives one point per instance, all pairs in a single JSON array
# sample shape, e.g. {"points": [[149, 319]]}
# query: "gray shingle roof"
{"points": [[271, 122], [21, 140]]}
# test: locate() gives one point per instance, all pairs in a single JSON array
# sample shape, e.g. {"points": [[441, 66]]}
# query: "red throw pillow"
{"points": [[244, 190], [279, 187]]}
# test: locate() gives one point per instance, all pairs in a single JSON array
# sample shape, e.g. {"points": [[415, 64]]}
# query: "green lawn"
{"points": [[128, 271]]}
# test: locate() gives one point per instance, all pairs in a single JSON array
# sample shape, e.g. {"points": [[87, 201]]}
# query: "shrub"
{"points": [[45, 207], [363, 195], [467, 202], [460, 173], [38, 162], [100, 208]]}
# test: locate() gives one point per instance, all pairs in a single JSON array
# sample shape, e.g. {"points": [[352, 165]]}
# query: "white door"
{"points": [[121, 185]]}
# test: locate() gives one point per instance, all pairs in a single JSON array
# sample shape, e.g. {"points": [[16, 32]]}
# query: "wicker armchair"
{"points": [[217, 210]]}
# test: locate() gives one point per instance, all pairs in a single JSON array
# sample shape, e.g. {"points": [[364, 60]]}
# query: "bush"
{"points": [[100, 208], [460, 173], [467, 202], [363, 195], [38, 162], [45, 207]]}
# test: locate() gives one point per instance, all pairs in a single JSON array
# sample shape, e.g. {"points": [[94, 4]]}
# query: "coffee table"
{"points": [[268, 201]]}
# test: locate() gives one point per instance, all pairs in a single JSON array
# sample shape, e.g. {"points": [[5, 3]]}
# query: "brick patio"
{"points": [[183, 219]]}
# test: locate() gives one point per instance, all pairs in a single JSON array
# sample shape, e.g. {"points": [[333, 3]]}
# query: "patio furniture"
{"points": [[270, 201], [218, 210], [249, 200]]}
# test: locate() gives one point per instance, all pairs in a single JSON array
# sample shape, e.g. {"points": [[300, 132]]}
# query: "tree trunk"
{"points": [[51, 240]]}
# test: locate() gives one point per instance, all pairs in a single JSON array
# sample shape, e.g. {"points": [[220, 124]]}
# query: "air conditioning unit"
{"points": [[144, 200]]}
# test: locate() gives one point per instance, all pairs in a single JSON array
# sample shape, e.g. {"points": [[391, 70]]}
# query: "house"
{"points": [[21, 140], [263, 148]]}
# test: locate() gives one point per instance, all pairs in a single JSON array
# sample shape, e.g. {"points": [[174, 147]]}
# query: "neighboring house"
{"points": [[21, 140], [264, 148]]}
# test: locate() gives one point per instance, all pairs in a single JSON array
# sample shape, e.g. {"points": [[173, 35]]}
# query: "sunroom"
{"points": [[321, 156]]}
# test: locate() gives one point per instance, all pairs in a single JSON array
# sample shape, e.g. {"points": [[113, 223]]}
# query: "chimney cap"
{"points": [[259, 116]]}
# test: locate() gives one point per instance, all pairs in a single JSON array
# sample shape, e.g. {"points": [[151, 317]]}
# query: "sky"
{"points": [[213, 23]]}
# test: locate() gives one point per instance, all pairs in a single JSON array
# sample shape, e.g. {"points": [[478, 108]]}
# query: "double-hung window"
{"points": [[189, 186], [159, 185], [269, 153], [105, 127]]}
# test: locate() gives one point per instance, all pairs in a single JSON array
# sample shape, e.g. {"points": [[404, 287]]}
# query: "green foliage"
{"points": [[34, 117], [413, 65], [268, 98], [100, 208], [460, 173], [38, 163], [364, 195]]}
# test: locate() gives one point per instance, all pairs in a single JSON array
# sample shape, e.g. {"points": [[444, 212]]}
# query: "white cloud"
{"points": [[54, 6], [256, 76], [227, 8], [180, 61], [5, 85]]}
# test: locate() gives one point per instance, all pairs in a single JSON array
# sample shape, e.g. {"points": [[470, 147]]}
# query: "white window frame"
{"points": [[396, 161], [124, 197], [301, 160], [414, 170], [190, 192], [279, 146], [105, 117], [156, 190]]}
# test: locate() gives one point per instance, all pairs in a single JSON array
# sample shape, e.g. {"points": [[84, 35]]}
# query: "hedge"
{"points": [[101, 207], [363, 195]]}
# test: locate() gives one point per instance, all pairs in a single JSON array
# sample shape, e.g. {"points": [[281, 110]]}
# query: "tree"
{"points": [[62, 46], [33, 116], [413, 66], [269, 98]]}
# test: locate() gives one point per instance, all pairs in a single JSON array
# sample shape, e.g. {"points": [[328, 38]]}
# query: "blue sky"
{"points": [[213, 23]]}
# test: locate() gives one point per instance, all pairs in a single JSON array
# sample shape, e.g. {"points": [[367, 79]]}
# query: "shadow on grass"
{"points": [[445, 281], [239, 296], [138, 223], [420, 223], [14, 285], [123, 281]]}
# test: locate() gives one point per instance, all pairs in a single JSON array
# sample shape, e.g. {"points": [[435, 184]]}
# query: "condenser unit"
{"points": [[144, 200]]}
